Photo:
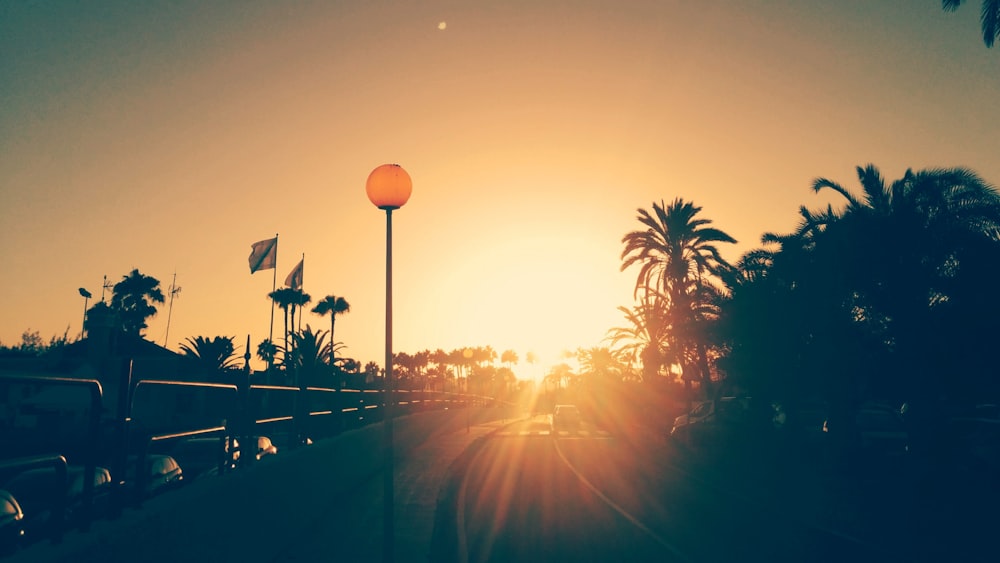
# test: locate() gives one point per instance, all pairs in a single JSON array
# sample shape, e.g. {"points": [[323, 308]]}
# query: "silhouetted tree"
{"points": [[267, 351], [989, 17], [285, 298], [333, 306], [678, 258], [646, 334], [310, 356], [299, 299], [134, 300], [211, 355], [508, 357]]}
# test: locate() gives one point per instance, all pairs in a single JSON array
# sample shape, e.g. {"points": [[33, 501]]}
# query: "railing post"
{"points": [[247, 418], [90, 468], [122, 416]]}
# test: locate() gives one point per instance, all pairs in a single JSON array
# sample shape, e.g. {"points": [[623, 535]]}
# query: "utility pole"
{"points": [[104, 286], [174, 290]]}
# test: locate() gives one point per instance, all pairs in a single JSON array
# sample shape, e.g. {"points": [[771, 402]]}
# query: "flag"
{"points": [[264, 254], [294, 279]]}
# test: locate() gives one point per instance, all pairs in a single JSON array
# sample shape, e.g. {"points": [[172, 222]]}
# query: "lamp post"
{"points": [[86, 297], [388, 187]]}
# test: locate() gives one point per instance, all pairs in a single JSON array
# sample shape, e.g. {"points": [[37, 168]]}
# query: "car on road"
{"points": [[565, 417]]}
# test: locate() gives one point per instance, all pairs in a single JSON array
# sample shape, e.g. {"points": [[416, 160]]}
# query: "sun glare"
{"points": [[531, 293]]}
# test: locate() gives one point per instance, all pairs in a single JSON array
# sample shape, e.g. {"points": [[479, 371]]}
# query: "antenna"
{"points": [[174, 290], [106, 285]]}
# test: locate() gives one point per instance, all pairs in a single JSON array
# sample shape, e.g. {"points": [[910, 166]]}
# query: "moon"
{"points": [[443, 25]]}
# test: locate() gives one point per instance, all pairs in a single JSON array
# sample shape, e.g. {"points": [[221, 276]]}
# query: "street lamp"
{"points": [[388, 187], [83, 326]]}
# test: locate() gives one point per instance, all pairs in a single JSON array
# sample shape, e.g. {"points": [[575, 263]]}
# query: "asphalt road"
{"points": [[526, 494]]}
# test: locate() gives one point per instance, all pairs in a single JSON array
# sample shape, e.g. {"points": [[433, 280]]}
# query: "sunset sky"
{"points": [[169, 136]]}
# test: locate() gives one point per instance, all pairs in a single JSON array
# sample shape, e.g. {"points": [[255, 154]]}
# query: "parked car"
{"points": [[289, 440], [162, 473], [37, 493], [802, 422], [565, 417], [878, 430], [708, 419], [975, 442], [204, 456], [11, 523], [697, 413], [265, 447]]}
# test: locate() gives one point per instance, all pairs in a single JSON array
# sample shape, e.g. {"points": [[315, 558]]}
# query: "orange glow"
{"points": [[389, 186], [533, 133]]}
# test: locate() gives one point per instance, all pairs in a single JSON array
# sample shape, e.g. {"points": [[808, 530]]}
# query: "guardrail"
{"points": [[236, 410], [93, 387]]}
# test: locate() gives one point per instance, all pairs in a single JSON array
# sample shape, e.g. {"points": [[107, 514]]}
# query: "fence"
{"points": [[154, 414]]}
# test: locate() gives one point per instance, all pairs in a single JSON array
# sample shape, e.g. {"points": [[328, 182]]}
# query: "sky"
{"points": [[170, 136]]}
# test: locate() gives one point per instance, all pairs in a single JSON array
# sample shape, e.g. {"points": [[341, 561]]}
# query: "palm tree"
{"points": [[919, 235], [483, 354], [599, 363], [213, 355], [133, 299], [285, 298], [678, 257], [310, 356], [562, 374], [420, 361], [674, 248], [267, 351], [371, 371], [989, 16], [332, 305], [646, 335], [531, 358], [508, 357], [299, 300]]}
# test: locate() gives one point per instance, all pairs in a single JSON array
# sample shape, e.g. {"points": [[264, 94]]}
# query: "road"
{"points": [[527, 494]]}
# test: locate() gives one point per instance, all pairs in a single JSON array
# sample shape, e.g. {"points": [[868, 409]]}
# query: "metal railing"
{"points": [[93, 388], [245, 411]]}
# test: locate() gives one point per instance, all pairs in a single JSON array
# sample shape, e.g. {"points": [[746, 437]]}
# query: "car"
{"points": [[162, 473], [265, 447], [682, 423], [708, 418], [565, 417], [975, 442], [11, 523], [878, 430], [205, 456], [801, 422], [37, 494]]}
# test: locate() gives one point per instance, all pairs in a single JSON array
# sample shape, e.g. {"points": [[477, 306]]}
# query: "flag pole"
{"points": [[302, 287], [274, 286]]}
